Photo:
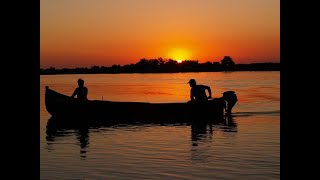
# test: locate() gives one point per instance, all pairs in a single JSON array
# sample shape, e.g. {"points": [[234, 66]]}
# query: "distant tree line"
{"points": [[167, 66]]}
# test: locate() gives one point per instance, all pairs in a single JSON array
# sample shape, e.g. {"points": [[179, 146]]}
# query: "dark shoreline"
{"points": [[166, 68], [161, 72]]}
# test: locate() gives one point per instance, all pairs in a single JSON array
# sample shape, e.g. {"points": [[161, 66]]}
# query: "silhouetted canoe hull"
{"points": [[70, 109]]}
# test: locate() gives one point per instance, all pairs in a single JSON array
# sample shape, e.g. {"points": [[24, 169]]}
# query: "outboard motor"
{"points": [[231, 98]]}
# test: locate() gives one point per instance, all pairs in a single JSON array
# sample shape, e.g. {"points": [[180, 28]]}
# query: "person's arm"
{"points": [[86, 93], [191, 95], [74, 92], [209, 90]]}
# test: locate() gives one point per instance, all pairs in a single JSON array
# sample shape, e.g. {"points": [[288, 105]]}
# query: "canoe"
{"points": [[64, 107]]}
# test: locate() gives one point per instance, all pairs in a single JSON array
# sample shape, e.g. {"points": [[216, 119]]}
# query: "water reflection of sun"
{"points": [[179, 54]]}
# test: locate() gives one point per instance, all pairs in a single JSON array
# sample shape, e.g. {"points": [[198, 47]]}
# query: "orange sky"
{"points": [[84, 33]]}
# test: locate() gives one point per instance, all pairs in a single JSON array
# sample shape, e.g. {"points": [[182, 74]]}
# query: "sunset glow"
{"points": [[179, 54], [84, 33]]}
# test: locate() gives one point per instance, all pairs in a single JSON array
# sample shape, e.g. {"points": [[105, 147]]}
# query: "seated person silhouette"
{"points": [[198, 92], [81, 91]]}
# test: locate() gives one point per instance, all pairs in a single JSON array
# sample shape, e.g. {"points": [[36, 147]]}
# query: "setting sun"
{"points": [[179, 54]]}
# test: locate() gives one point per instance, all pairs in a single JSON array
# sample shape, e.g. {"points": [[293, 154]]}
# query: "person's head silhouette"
{"points": [[80, 82], [192, 82]]}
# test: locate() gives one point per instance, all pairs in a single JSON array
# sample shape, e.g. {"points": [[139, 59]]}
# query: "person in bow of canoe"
{"points": [[81, 91]]}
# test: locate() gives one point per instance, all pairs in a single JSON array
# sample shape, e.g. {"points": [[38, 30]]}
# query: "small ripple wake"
{"points": [[273, 113]]}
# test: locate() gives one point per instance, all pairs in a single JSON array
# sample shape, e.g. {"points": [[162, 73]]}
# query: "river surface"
{"points": [[247, 147]]}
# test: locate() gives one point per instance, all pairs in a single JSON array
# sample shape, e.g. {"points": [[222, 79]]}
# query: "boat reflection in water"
{"points": [[57, 129], [202, 138], [200, 130]]}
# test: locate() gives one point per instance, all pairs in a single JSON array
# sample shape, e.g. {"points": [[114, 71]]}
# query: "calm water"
{"points": [[247, 148]]}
